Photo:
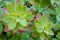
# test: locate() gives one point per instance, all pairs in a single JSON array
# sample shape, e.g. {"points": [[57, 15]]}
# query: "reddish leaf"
{"points": [[20, 31], [6, 29]]}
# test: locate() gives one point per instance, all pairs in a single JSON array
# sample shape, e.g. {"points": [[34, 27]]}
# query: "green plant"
{"points": [[29, 19]]}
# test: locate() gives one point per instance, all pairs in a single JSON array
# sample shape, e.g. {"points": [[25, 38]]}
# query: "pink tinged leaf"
{"points": [[5, 10], [33, 19], [20, 31], [38, 16], [6, 29]]}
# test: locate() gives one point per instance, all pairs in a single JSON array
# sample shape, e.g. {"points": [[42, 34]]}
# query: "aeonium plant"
{"points": [[43, 27], [17, 17]]}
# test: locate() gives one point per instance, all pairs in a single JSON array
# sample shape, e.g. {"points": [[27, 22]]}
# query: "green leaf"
{"points": [[52, 2], [38, 26], [35, 34], [21, 27], [57, 26], [55, 1], [58, 19], [29, 16], [48, 32], [0, 0], [1, 28], [58, 35], [42, 36], [12, 25], [11, 0], [57, 10], [2, 3], [23, 22], [9, 33], [22, 15], [10, 7], [32, 2], [7, 19], [58, 13], [20, 8], [16, 37], [53, 39], [45, 3], [15, 7], [40, 30], [1, 11], [48, 12]]}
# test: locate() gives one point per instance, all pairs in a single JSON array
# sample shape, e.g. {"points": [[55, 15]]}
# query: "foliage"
{"points": [[29, 20]]}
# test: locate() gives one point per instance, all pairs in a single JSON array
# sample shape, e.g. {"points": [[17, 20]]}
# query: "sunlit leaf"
{"points": [[48, 32], [12, 25], [23, 22]]}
